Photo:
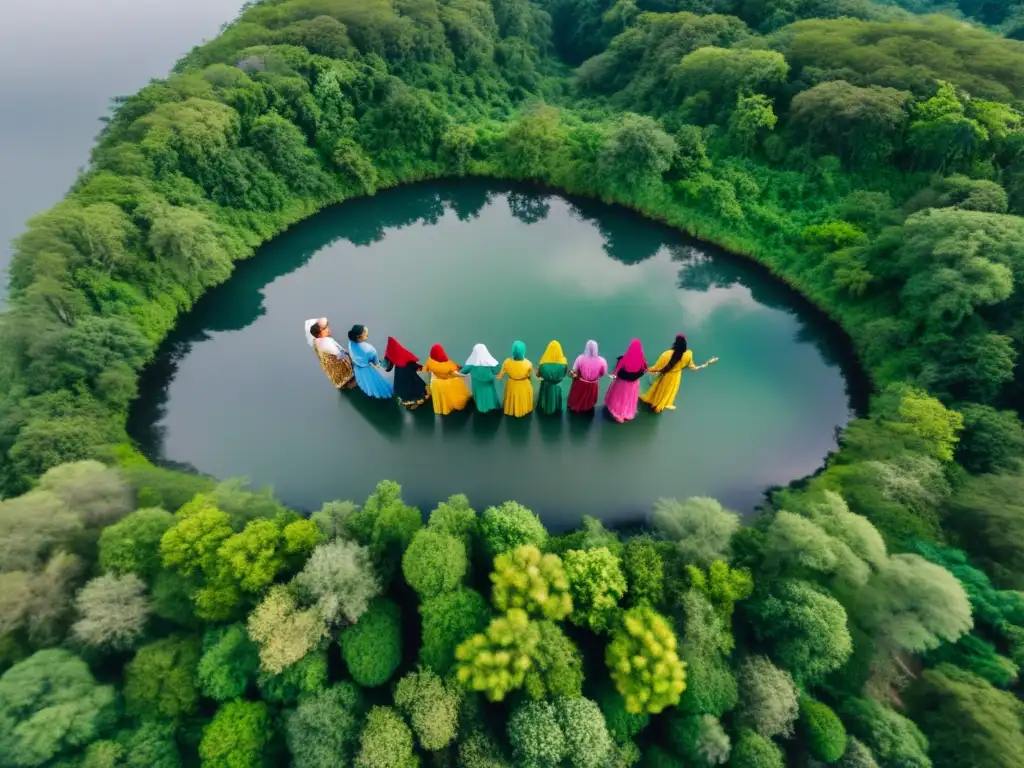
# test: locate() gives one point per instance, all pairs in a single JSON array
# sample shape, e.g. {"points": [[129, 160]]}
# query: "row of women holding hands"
{"points": [[448, 390]]}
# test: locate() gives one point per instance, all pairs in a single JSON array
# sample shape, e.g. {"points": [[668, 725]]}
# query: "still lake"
{"points": [[237, 392]]}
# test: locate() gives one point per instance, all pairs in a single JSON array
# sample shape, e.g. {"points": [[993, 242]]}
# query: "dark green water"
{"points": [[238, 392]]}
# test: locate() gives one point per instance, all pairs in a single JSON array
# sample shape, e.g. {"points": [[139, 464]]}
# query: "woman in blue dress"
{"points": [[367, 365]]}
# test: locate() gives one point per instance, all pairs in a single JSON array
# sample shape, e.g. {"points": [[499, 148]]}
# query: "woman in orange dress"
{"points": [[448, 389]]}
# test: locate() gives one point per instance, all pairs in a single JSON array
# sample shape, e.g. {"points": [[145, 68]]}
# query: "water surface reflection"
{"points": [[237, 392]]}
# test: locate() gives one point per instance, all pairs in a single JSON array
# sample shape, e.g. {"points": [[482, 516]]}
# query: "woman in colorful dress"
{"points": [[519, 390], [335, 361], [551, 370], [448, 389], [621, 398], [481, 367], [669, 367], [586, 372], [410, 389], [367, 365]]}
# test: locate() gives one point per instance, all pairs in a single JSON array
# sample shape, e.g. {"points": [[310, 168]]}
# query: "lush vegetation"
{"points": [[230, 630], [870, 615]]}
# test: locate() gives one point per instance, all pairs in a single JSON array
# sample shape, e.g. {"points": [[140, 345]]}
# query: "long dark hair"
{"points": [[678, 350], [355, 332]]}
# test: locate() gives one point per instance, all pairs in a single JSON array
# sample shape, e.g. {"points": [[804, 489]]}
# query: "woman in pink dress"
{"points": [[622, 395], [586, 373]]}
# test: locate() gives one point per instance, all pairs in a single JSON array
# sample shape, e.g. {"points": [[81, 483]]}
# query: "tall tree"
{"points": [[51, 706]]}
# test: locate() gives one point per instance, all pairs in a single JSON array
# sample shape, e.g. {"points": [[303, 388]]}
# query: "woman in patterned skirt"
{"points": [[335, 361]]}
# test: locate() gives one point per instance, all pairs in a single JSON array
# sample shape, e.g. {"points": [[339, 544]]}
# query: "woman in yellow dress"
{"points": [[662, 394], [519, 390], [448, 389]]}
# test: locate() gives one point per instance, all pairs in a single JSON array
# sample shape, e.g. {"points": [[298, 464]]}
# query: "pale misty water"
{"points": [[61, 62], [238, 392]]}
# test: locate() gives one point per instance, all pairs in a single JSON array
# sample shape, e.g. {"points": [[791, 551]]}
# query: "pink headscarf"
{"points": [[633, 361], [590, 365]]}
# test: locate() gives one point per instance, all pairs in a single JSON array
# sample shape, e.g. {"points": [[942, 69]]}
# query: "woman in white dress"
{"points": [[335, 361]]}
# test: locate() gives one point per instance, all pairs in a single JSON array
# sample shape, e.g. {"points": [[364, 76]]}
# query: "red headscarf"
{"points": [[437, 353], [633, 361], [399, 355]]}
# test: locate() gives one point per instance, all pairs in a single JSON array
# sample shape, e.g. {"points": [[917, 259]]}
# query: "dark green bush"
{"points": [[372, 647]]}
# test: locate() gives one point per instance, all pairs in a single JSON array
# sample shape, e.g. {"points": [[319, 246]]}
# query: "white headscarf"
{"points": [[324, 343], [309, 324], [480, 356]]}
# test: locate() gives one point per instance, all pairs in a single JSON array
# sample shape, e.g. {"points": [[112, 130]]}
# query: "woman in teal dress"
{"points": [[481, 368], [551, 370]]}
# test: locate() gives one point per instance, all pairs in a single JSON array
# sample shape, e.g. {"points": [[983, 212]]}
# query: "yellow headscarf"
{"points": [[553, 354]]}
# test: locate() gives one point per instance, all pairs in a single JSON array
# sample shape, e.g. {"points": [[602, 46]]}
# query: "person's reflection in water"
{"points": [[612, 437], [582, 425], [518, 431], [551, 428], [455, 422], [385, 416], [422, 420], [484, 426]]}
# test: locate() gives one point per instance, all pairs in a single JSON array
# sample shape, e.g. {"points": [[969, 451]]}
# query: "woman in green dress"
{"points": [[551, 370], [481, 368]]}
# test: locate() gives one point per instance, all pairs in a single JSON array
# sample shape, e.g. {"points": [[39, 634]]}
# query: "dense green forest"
{"points": [[871, 615]]}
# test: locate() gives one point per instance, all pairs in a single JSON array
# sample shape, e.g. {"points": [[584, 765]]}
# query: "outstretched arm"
{"points": [[712, 361]]}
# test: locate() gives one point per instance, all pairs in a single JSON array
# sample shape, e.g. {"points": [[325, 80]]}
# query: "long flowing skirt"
{"points": [[485, 395], [621, 399], [410, 389], [550, 398], [518, 397], [663, 391], [338, 370], [449, 394], [582, 396], [373, 383]]}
